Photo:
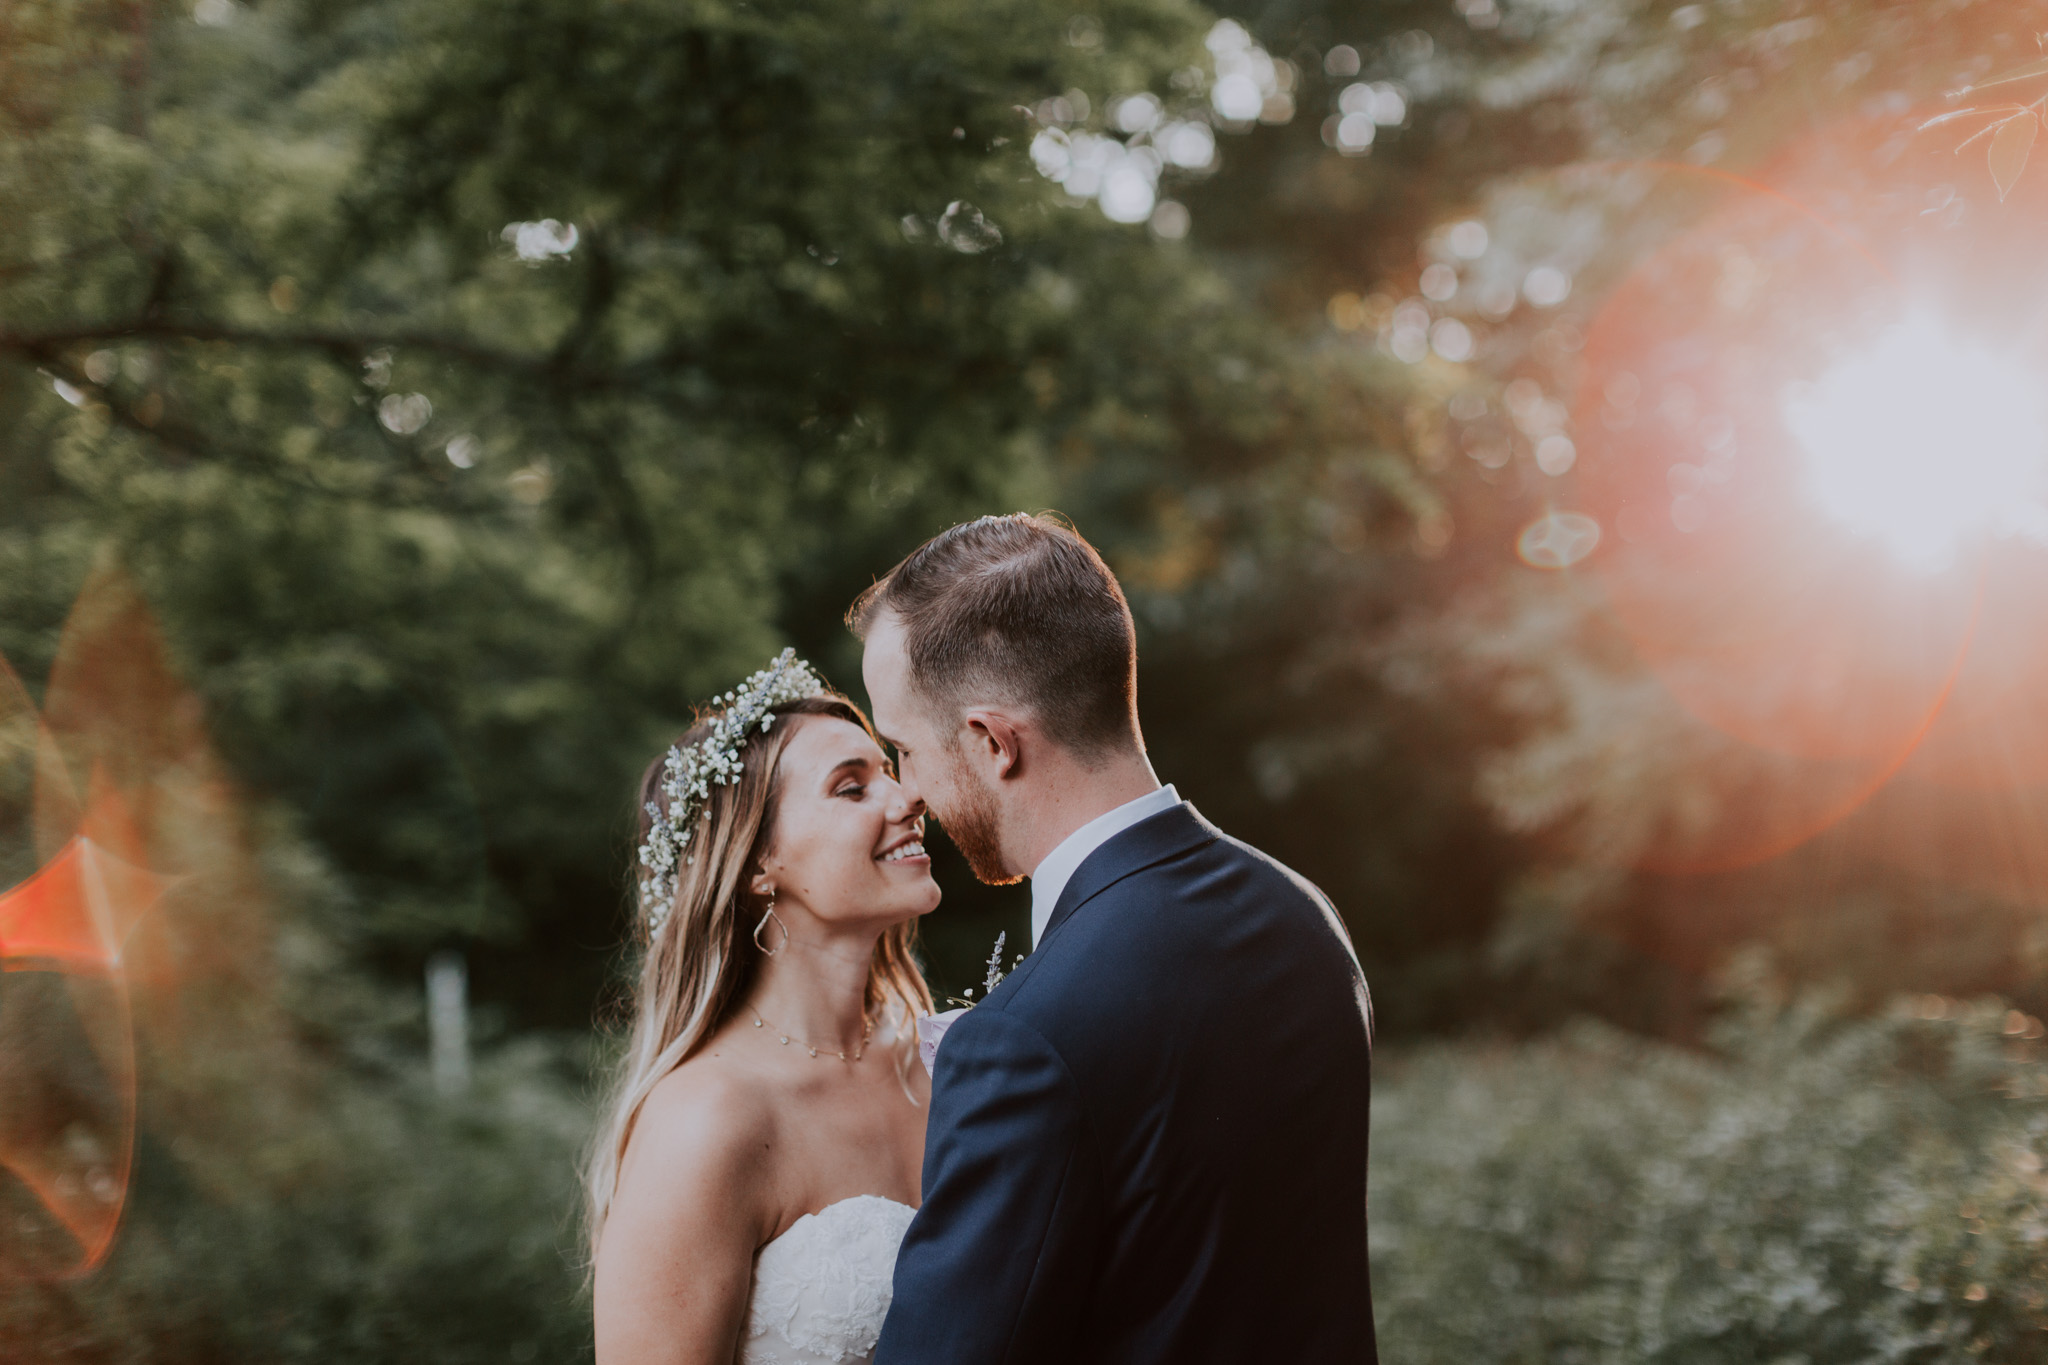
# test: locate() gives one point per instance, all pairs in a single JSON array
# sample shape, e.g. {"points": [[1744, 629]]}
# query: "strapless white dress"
{"points": [[822, 1288]]}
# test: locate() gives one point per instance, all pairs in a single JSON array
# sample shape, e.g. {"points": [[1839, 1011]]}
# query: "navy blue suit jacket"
{"points": [[1149, 1143]]}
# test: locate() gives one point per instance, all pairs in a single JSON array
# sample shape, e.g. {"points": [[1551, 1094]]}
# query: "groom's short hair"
{"points": [[1018, 607]]}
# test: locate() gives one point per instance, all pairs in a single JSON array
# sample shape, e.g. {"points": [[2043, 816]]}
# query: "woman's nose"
{"points": [[904, 805]]}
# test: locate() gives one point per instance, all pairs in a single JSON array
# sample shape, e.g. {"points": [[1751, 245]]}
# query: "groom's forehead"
{"points": [[885, 632], [884, 660], [885, 668]]}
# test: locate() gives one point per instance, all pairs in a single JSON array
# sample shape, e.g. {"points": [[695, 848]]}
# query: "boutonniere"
{"points": [[931, 1028]]}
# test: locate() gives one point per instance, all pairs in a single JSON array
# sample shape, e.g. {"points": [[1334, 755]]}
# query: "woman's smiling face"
{"points": [[848, 848]]}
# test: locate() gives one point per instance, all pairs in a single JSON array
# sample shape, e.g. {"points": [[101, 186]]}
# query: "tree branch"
{"points": [[192, 444], [347, 344]]}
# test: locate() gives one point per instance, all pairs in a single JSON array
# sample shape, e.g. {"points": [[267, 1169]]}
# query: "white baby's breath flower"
{"points": [[688, 774]]}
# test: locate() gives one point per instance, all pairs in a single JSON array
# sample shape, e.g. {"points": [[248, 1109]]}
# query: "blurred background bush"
{"points": [[468, 386]]}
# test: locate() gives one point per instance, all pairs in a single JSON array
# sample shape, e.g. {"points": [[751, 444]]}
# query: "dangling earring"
{"points": [[765, 917]]}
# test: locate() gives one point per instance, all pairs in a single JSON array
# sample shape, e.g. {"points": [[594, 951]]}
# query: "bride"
{"points": [[761, 1152]]}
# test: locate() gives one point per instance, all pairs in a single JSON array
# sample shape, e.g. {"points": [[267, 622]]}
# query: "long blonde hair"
{"points": [[700, 964]]}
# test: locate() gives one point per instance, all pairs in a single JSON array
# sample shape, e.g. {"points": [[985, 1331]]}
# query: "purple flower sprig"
{"points": [[931, 1028]]}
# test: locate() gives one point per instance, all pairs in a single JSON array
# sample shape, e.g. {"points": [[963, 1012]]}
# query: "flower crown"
{"points": [[688, 772]]}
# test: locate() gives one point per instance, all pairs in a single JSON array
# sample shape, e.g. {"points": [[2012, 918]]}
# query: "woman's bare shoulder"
{"points": [[690, 1210], [705, 1117]]}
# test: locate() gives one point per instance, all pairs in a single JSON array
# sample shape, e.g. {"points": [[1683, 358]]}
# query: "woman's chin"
{"points": [[910, 875], [907, 902]]}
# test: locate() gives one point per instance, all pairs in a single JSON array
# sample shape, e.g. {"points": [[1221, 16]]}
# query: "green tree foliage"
{"points": [[451, 523], [401, 1226], [1820, 1189]]}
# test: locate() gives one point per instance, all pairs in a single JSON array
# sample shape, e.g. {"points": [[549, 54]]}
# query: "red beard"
{"points": [[974, 827]]}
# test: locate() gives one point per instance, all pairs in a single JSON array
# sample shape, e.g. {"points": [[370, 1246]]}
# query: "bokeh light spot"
{"points": [[1126, 195], [1546, 286], [1187, 144], [1170, 220], [1558, 540], [963, 228], [1452, 340], [1139, 114], [546, 240], [1469, 239], [1555, 454], [1351, 134]]}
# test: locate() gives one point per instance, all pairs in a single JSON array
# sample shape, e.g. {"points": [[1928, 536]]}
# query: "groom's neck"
{"points": [[1067, 795]]}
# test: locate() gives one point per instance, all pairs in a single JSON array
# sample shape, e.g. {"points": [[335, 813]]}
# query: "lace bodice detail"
{"points": [[822, 1288]]}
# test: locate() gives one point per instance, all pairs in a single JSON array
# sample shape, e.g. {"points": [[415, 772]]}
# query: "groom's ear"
{"points": [[998, 740]]}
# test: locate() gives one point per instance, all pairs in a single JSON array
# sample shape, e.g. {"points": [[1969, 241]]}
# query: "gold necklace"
{"points": [[867, 1031]]}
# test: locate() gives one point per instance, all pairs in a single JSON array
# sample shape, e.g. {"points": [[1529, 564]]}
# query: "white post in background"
{"points": [[448, 1022]]}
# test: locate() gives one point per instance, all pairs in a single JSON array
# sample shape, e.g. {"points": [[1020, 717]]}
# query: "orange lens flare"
{"points": [[82, 941], [1814, 427], [77, 912], [67, 1119], [67, 1057]]}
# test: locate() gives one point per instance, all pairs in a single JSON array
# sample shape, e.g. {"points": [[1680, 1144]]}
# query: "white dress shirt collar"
{"points": [[1050, 877]]}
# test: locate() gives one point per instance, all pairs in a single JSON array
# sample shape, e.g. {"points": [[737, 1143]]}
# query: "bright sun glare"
{"points": [[1921, 442]]}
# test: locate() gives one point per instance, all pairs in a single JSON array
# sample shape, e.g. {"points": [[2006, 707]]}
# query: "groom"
{"points": [[1148, 1144]]}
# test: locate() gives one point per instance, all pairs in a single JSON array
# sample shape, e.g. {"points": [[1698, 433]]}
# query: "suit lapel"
{"points": [[1151, 841]]}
